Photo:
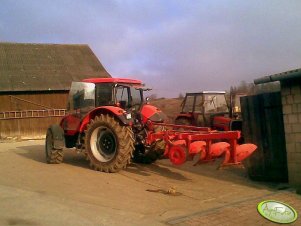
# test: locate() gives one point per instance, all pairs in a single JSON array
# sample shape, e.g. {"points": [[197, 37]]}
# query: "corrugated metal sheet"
{"points": [[40, 67]]}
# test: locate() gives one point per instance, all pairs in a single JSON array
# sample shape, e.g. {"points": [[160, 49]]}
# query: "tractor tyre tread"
{"points": [[125, 146], [53, 156]]}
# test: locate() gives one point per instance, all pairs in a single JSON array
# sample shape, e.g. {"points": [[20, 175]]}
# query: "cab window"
{"points": [[104, 94]]}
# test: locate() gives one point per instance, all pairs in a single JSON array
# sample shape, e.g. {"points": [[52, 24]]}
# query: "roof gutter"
{"points": [[294, 74]]}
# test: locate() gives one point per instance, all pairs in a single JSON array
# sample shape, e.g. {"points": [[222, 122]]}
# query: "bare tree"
{"points": [[181, 96]]}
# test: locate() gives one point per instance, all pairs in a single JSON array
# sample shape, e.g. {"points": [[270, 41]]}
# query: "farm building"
{"points": [[34, 84], [274, 124], [290, 82]]}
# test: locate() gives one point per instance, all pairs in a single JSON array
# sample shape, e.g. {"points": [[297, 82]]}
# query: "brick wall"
{"points": [[291, 105]]}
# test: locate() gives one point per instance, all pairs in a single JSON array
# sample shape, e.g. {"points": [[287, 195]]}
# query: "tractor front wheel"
{"points": [[109, 145], [53, 156]]}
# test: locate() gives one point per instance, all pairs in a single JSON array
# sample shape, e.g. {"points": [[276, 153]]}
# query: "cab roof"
{"points": [[113, 80]]}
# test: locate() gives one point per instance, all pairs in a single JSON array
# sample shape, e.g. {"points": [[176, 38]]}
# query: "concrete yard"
{"points": [[35, 193]]}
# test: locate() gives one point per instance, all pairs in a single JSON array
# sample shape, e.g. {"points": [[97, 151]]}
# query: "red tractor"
{"points": [[210, 108], [105, 121], [109, 121]]}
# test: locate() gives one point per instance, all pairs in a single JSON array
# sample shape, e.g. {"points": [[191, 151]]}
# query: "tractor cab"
{"points": [[120, 97], [198, 109], [92, 93], [127, 96]]}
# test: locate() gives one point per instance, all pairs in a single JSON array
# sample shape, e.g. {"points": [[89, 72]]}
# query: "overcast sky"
{"points": [[173, 46]]}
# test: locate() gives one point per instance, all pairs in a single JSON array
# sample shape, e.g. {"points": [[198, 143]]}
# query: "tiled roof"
{"points": [[287, 75], [41, 67]]}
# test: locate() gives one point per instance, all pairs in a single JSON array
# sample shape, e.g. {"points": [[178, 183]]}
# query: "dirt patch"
{"points": [[171, 107]]}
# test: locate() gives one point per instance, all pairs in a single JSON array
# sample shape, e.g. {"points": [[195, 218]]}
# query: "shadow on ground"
{"points": [[71, 157], [37, 153], [234, 174], [148, 170]]}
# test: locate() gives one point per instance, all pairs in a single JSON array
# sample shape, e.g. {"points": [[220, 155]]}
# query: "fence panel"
{"points": [[263, 126]]}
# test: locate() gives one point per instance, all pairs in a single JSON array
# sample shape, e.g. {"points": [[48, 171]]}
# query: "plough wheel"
{"points": [[178, 154]]}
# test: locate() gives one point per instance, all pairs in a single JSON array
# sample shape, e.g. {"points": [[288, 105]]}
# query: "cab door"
{"points": [[81, 101]]}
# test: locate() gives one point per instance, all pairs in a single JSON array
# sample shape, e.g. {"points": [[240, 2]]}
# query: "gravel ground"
{"points": [[35, 193]]}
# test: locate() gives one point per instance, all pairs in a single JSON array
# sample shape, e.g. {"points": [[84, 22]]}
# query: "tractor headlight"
{"points": [[128, 116]]}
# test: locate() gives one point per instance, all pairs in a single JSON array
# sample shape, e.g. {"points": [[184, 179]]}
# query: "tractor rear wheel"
{"points": [[108, 144], [53, 156]]}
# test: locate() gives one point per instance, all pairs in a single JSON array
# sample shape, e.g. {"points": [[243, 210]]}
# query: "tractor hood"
{"points": [[152, 113]]}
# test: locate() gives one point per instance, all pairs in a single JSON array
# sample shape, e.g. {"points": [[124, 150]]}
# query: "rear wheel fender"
{"points": [[117, 112]]}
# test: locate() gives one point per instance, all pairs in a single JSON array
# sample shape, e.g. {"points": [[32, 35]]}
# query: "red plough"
{"points": [[209, 144]]}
